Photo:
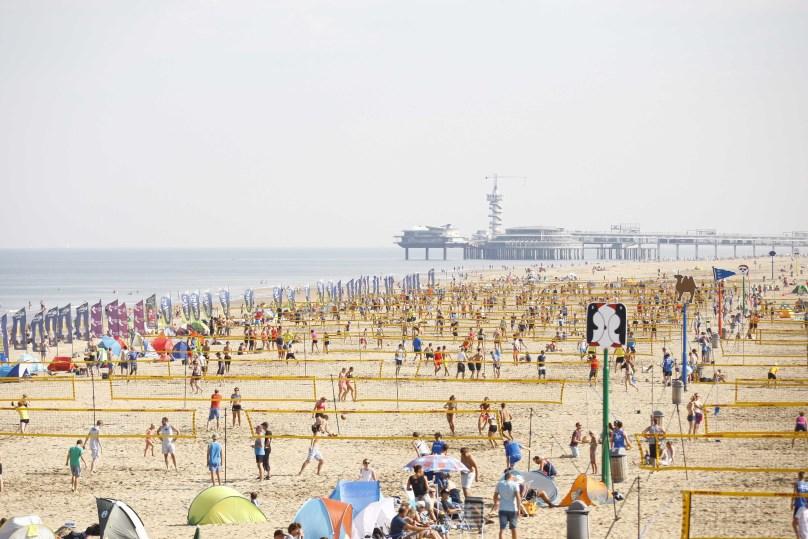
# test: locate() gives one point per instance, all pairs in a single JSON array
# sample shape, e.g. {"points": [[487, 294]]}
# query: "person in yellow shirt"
{"points": [[772, 376], [21, 406]]}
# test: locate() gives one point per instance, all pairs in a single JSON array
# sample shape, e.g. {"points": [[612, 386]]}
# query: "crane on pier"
{"points": [[495, 204]]}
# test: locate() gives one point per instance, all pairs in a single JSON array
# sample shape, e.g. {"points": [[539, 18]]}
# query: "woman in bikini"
{"points": [[343, 384], [150, 432], [350, 383], [451, 407], [235, 406], [485, 406]]}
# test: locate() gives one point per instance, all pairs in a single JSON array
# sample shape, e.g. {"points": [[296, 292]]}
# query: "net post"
{"points": [[606, 470], [685, 515], [334, 397], [225, 442]]}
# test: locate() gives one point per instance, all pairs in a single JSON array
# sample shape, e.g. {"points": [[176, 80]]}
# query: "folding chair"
{"points": [[473, 516]]}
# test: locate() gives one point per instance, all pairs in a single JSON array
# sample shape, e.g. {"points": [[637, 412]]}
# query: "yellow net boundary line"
{"points": [[687, 510]]}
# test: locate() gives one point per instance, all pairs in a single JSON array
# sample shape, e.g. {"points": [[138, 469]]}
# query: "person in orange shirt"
{"points": [[593, 369], [215, 405]]}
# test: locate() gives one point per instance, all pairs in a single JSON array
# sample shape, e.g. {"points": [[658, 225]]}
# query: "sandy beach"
{"points": [[37, 481]]}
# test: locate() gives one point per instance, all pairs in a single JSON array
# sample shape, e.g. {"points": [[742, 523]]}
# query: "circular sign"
{"points": [[772, 253], [743, 268]]}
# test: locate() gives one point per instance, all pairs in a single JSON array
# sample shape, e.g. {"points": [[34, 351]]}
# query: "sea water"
{"points": [[62, 276]]}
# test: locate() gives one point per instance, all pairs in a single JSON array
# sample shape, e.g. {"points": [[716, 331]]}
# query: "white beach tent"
{"points": [[32, 364], [374, 515], [29, 527]]}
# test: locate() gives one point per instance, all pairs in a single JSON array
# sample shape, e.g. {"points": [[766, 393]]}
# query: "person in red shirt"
{"points": [[593, 368], [215, 405]]}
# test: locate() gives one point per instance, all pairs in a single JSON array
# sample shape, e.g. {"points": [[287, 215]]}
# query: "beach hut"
{"points": [[223, 505], [119, 521], [323, 517], [588, 490], [29, 527]]}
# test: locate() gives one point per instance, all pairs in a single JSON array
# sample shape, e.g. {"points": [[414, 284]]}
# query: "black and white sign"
{"points": [[606, 325], [743, 268]]}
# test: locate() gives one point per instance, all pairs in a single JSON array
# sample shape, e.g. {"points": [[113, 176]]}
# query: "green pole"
{"points": [[605, 464]]}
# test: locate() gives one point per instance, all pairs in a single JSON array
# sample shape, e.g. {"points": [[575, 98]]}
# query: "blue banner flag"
{"points": [[83, 321], [64, 327], [165, 309], [18, 326], [720, 274], [224, 299]]}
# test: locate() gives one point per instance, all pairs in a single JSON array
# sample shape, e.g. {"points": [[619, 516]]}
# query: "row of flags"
{"points": [[59, 325]]}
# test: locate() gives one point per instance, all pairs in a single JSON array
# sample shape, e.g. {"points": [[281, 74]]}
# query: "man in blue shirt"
{"points": [[438, 446], [507, 497], [667, 367], [214, 460], [800, 487], [417, 345]]}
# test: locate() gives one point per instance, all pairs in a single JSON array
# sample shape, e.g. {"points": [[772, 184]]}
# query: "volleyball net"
{"points": [[178, 388], [753, 390], [385, 425], [39, 388], [724, 452], [408, 392], [761, 417], [76, 422], [735, 515]]}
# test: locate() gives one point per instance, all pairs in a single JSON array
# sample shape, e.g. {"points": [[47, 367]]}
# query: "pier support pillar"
{"points": [[735, 251], [444, 253], [697, 251], [406, 253], [754, 249], [677, 251], [426, 256]]}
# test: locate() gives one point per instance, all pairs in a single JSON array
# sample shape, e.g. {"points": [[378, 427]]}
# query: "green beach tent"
{"points": [[800, 290], [222, 505]]}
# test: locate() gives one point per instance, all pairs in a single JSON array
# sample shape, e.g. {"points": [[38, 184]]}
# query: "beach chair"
{"points": [[473, 520]]}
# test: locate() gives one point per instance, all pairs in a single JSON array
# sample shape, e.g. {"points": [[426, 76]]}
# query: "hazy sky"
{"points": [[139, 123]]}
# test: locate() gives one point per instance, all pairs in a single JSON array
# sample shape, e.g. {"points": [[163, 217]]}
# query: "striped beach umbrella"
{"points": [[437, 463]]}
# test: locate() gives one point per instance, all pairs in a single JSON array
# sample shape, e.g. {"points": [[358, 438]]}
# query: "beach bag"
{"points": [[531, 508]]}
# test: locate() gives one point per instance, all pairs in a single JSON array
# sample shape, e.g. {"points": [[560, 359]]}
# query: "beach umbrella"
{"points": [[110, 344], [180, 350], [161, 343], [437, 463], [800, 290], [199, 327], [536, 481]]}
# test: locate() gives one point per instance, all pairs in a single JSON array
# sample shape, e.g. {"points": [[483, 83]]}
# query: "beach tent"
{"points": [[323, 517], [374, 515], [14, 371], [800, 290], [32, 364], [223, 505], [370, 508], [29, 527], [119, 521], [359, 494], [180, 351], [588, 490]]}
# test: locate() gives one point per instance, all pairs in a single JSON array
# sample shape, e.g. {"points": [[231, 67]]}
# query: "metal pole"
{"points": [[184, 382], [92, 382], [334, 396], [606, 469], [684, 455], [530, 439], [639, 514], [225, 444], [684, 345]]}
